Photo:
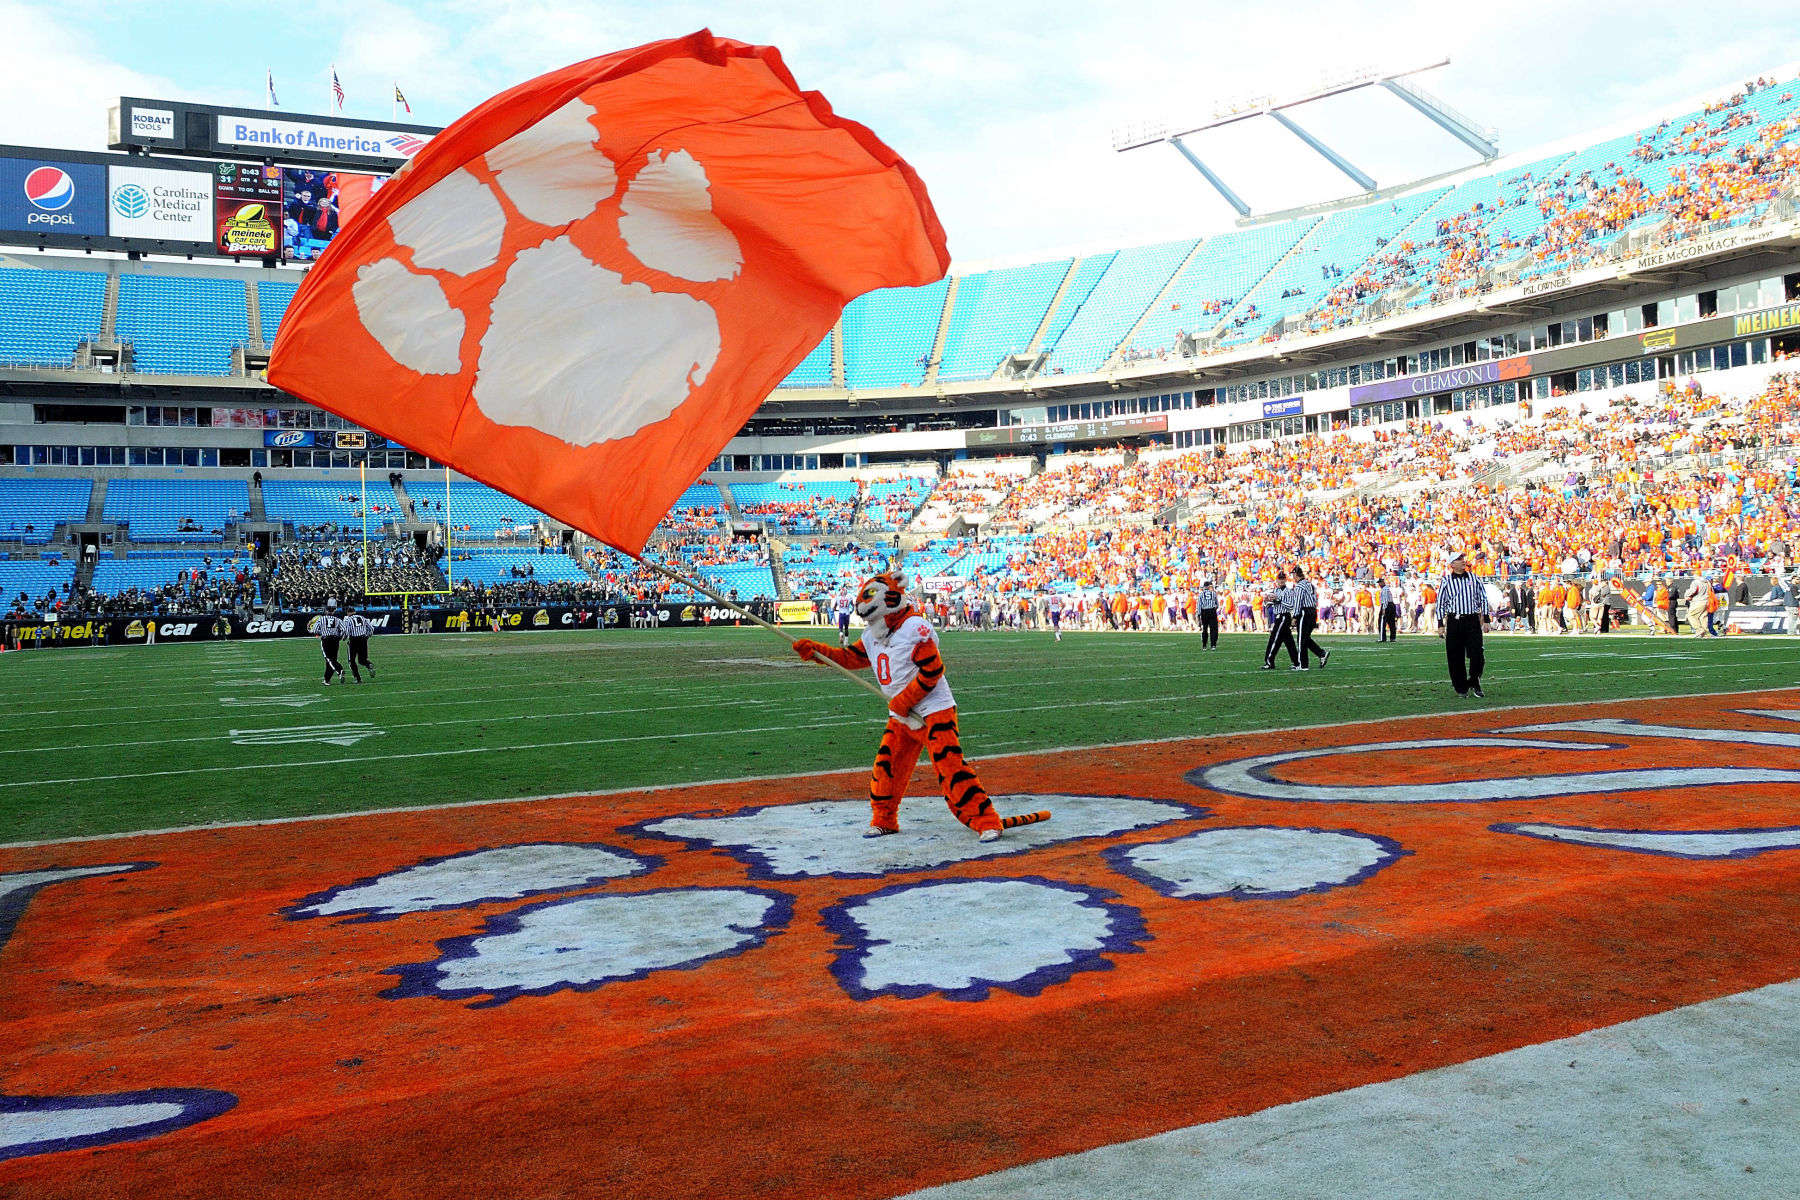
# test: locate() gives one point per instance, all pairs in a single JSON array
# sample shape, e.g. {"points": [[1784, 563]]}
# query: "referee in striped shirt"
{"points": [[1463, 612], [1206, 611], [1303, 602]]}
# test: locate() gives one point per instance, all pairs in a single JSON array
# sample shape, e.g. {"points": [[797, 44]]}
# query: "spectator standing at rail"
{"points": [[1463, 612]]}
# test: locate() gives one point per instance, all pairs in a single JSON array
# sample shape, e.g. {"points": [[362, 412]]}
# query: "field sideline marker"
{"points": [[699, 783]]}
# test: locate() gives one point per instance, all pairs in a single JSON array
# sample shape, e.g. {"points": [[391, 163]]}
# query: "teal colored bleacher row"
{"points": [[776, 493], [698, 495], [1224, 269], [1129, 286], [495, 566], [272, 299], [476, 505], [995, 314], [314, 502], [888, 333], [1342, 241], [152, 571], [41, 503], [814, 370], [33, 578], [182, 326], [154, 508], [65, 309]]}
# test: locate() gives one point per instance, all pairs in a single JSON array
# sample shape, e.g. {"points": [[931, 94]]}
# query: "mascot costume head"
{"points": [[881, 596]]}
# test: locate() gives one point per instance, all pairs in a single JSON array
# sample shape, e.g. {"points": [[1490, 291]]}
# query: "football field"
{"points": [[130, 738], [589, 914]]}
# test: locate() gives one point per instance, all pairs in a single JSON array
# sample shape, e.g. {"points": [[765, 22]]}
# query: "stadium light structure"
{"points": [[1478, 138]]}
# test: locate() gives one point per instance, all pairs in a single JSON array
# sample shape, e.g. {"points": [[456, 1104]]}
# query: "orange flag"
{"points": [[579, 291]]}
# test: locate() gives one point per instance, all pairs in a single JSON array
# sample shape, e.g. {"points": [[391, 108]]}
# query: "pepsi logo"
{"points": [[49, 189]]}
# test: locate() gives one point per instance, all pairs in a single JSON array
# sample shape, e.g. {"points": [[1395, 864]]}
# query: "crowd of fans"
{"points": [[1676, 483], [1577, 219]]}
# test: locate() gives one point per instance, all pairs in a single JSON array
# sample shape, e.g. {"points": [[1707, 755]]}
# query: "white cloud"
{"points": [[54, 90]]}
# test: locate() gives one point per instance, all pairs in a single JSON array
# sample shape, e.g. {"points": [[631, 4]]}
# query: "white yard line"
{"points": [[700, 783]]}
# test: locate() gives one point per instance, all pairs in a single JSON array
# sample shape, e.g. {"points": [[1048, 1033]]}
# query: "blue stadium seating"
{"points": [[331, 502], [888, 332], [495, 566], [272, 299], [41, 503], [814, 370], [180, 326], [155, 507], [32, 578], [1223, 272], [1130, 283], [475, 509], [841, 492], [151, 571], [995, 314], [64, 309]]}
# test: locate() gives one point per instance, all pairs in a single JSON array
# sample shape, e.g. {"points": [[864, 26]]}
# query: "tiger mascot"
{"points": [[902, 648]]}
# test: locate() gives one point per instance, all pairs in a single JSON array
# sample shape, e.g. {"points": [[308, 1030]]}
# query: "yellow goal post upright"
{"points": [[406, 596]]}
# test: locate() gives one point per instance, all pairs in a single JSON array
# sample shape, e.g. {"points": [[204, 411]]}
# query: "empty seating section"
{"points": [[176, 510], [65, 308], [1221, 273], [475, 510], [32, 578], [149, 572], [816, 506], [995, 314], [1123, 293], [272, 299], [814, 370], [311, 502], [510, 566], [179, 326], [727, 565], [889, 334], [39, 504], [1082, 282], [1339, 244]]}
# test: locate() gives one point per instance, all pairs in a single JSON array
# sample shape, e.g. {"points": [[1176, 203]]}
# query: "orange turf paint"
{"points": [[789, 1065]]}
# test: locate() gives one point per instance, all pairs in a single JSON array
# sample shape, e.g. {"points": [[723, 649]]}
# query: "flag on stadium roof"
{"points": [[337, 89], [400, 98], [579, 291]]}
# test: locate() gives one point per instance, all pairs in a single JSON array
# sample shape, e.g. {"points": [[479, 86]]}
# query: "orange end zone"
{"points": [[723, 990]]}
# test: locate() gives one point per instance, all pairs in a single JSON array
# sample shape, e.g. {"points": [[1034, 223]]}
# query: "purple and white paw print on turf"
{"points": [[823, 838], [964, 938], [585, 942], [1255, 862], [47, 1124]]}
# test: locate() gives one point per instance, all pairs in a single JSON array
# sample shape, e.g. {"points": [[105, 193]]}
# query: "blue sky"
{"points": [[1005, 107]]}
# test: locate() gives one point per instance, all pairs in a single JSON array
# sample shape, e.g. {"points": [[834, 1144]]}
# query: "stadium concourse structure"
{"points": [[140, 450]]}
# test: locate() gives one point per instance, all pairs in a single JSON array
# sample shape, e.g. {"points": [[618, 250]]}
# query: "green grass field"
{"points": [[130, 738]]}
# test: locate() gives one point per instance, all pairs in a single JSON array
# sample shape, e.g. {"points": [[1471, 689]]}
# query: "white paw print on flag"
{"points": [[537, 363]]}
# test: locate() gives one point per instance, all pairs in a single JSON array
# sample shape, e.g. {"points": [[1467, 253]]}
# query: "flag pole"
{"points": [[741, 611]]}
